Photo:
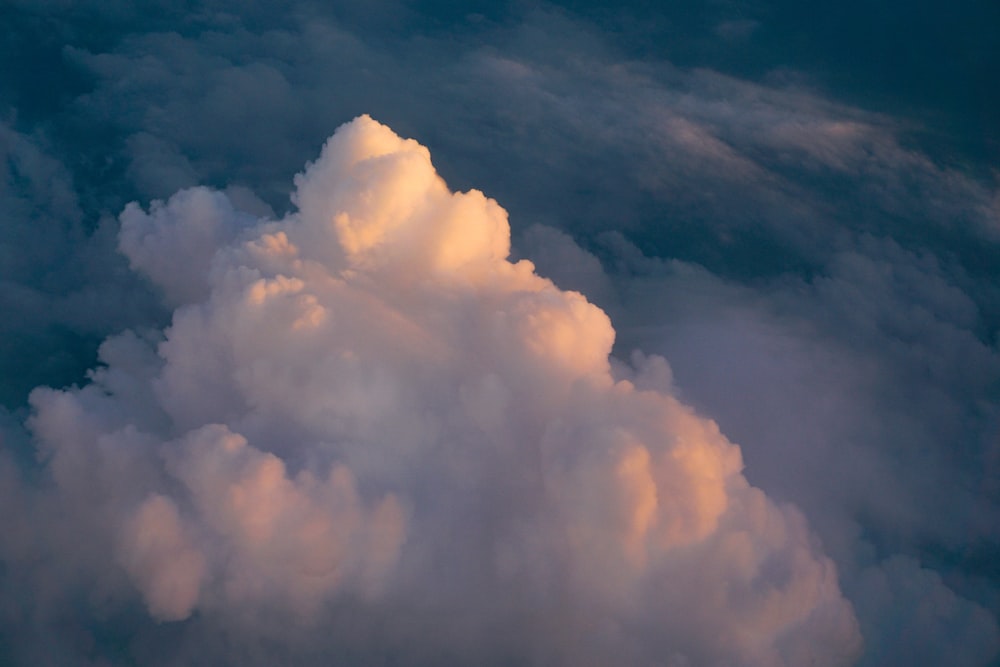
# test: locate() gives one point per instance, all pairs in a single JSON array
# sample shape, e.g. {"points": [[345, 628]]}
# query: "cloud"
{"points": [[924, 621], [821, 276], [174, 244], [61, 284], [859, 395], [365, 406]]}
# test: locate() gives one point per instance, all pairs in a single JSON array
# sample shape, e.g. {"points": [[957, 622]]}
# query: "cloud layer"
{"points": [[810, 240]]}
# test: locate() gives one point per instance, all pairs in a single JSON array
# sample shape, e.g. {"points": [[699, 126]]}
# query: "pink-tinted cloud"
{"points": [[366, 406]]}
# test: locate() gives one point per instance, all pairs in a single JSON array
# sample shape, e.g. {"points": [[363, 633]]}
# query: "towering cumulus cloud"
{"points": [[367, 438]]}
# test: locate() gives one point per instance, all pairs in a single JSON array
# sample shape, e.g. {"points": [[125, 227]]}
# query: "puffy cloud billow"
{"points": [[369, 437]]}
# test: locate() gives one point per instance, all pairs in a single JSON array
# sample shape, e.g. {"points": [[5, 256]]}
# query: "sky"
{"points": [[433, 333]]}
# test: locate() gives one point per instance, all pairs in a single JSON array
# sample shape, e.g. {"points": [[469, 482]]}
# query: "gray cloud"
{"points": [[863, 395]]}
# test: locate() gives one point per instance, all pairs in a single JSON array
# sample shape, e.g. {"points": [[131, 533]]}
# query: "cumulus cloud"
{"points": [[366, 406], [174, 244]]}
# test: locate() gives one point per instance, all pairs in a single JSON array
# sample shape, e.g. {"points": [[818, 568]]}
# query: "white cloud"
{"points": [[366, 406]]}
